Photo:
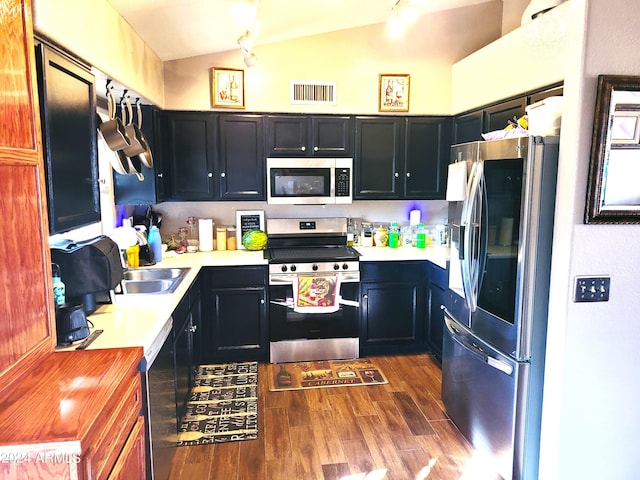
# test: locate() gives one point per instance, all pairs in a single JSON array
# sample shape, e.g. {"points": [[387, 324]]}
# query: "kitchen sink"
{"points": [[152, 280]]}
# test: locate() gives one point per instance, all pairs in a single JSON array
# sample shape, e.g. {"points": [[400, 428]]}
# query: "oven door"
{"points": [[300, 181], [287, 324]]}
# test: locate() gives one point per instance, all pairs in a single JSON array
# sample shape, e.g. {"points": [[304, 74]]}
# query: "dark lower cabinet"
{"points": [[234, 319], [186, 326], [436, 290], [392, 307]]}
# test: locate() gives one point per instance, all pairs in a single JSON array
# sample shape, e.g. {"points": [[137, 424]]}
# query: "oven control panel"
{"points": [[311, 268]]}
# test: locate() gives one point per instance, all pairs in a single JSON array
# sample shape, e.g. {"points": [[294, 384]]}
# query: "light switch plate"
{"points": [[592, 289]]}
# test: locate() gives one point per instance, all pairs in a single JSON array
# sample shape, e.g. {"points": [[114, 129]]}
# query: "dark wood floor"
{"points": [[397, 431]]}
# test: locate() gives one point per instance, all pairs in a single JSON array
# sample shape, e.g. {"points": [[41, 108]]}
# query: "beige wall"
{"points": [[95, 32], [353, 59], [527, 58]]}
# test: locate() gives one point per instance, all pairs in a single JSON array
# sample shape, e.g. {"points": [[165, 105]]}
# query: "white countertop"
{"points": [[138, 320]]}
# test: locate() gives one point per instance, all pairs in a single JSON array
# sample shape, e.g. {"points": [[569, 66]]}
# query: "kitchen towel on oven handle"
{"points": [[318, 293]]}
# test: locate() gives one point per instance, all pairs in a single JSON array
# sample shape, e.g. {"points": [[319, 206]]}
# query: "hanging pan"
{"points": [[113, 129], [145, 157]]}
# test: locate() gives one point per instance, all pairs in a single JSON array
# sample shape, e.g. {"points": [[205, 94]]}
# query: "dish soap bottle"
{"points": [[155, 242], [58, 286], [421, 236], [394, 235]]}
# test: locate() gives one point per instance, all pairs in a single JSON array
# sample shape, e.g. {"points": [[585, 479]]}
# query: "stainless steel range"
{"points": [[314, 289]]}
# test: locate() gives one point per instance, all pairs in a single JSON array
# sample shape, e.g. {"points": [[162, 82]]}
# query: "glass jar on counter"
{"points": [[232, 239], [380, 236], [366, 239]]}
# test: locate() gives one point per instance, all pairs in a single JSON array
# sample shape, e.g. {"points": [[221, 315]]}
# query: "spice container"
{"points": [[221, 237], [232, 240]]}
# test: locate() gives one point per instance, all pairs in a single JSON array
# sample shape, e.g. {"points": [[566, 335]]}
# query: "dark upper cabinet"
{"points": [[128, 190], [427, 157], [497, 117], [551, 92], [468, 127], [398, 157], [214, 156], [67, 111], [240, 170], [309, 135], [379, 157], [190, 155]]}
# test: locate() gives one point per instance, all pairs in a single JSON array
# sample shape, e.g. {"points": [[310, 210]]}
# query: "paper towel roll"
{"points": [[414, 217], [205, 227], [456, 182]]}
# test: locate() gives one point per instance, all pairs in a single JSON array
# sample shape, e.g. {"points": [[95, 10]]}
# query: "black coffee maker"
{"points": [[88, 269]]}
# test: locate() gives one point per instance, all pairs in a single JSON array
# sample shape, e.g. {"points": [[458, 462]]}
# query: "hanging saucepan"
{"points": [[145, 157], [113, 130], [118, 159], [133, 159], [133, 132]]}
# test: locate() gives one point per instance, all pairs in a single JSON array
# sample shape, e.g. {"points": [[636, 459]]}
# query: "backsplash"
{"points": [[175, 214]]}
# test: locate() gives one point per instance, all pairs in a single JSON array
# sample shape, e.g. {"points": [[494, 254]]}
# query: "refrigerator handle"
{"points": [[469, 268], [473, 348]]}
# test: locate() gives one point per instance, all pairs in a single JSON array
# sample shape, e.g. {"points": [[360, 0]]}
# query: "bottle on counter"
{"points": [[350, 232], [59, 288], [421, 236], [356, 233], [394, 235], [155, 242]]}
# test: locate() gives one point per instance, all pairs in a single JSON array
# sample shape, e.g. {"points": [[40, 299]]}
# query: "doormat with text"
{"points": [[324, 373], [223, 405]]}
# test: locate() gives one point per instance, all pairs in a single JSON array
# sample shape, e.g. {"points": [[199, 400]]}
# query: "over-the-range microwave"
{"points": [[307, 181]]}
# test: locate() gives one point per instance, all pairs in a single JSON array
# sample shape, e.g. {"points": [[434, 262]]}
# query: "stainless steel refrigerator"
{"points": [[497, 301]]}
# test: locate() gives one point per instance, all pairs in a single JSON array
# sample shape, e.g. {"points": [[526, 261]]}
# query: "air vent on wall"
{"points": [[307, 93]]}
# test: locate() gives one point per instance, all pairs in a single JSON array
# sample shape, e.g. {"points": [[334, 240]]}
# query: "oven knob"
{"points": [[293, 268], [336, 266], [283, 268], [314, 268], [345, 266]]}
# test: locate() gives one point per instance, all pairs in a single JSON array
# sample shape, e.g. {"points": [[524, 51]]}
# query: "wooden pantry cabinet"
{"points": [[77, 415], [64, 414]]}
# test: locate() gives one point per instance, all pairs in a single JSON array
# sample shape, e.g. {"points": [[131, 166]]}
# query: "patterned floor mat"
{"points": [[223, 405]]}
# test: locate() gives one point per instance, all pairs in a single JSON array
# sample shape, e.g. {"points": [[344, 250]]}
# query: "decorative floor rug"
{"points": [[325, 373], [223, 405]]}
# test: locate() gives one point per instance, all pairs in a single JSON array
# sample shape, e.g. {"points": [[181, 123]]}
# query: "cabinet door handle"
{"points": [[223, 174], [365, 296], [193, 328], [408, 174], [396, 174], [210, 175], [315, 149], [160, 175], [303, 148], [262, 301]]}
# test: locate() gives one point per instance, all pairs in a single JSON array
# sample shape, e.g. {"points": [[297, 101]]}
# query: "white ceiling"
{"points": [[186, 28]]}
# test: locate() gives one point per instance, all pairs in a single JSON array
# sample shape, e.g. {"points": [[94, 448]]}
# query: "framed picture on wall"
{"points": [[227, 88], [393, 92]]}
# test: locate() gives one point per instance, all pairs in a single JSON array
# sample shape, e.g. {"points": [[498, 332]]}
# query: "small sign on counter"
{"points": [[247, 220]]}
